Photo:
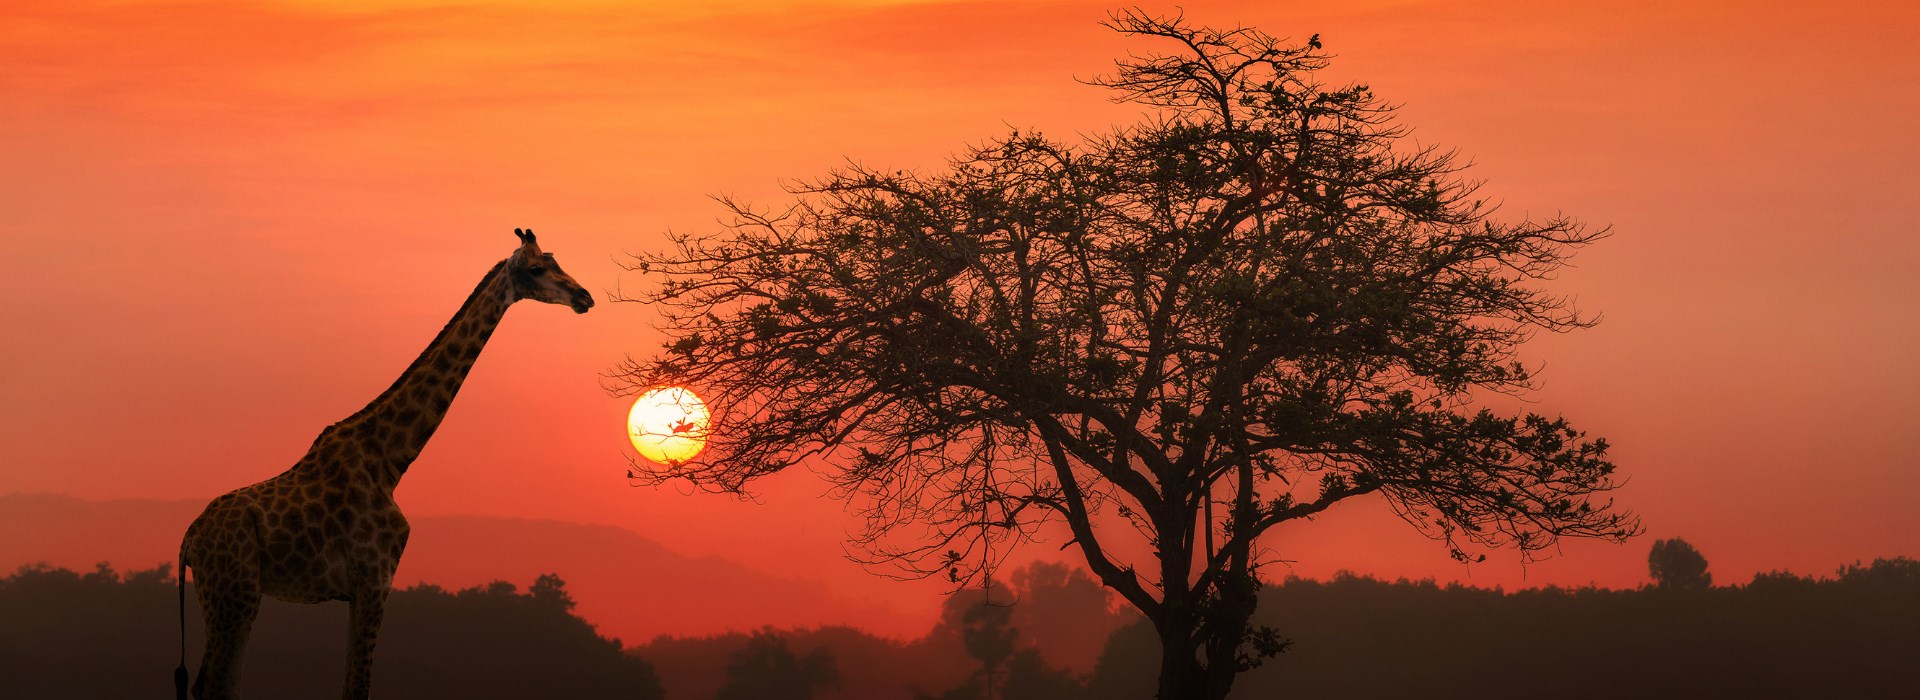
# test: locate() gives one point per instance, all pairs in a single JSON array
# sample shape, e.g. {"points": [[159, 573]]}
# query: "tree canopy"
{"points": [[1675, 564], [1256, 303]]}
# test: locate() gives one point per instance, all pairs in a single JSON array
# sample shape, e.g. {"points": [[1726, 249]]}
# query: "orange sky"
{"points": [[229, 224]]}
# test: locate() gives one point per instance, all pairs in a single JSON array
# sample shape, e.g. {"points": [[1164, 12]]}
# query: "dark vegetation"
{"points": [[1258, 302], [1675, 564], [1854, 635], [103, 635], [1780, 636], [1043, 607], [765, 669]]}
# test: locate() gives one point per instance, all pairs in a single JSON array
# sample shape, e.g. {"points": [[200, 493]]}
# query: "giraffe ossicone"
{"points": [[327, 528]]}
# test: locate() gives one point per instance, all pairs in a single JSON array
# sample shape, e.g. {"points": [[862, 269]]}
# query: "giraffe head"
{"points": [[536, 276]]}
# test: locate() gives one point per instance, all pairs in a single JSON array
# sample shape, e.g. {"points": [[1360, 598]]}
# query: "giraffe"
{"points": [[328, 528]]}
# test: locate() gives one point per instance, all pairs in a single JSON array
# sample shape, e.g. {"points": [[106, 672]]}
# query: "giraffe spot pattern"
{"points": [[327, 528]]}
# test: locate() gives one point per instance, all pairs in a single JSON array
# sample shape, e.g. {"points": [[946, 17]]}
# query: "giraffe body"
{"points": [[328, 528]]}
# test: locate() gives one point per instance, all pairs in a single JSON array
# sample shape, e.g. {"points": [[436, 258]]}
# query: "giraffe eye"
{"points": [[536, 270]]}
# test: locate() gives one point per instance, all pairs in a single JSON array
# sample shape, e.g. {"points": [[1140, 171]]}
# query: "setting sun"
{"points": [[668, 425]]}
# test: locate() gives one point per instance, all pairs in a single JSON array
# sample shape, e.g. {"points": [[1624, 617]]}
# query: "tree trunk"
{"points": [[1185, 632], [1229, 618], [1225, 633], [1201, 641], [1181, 676]]}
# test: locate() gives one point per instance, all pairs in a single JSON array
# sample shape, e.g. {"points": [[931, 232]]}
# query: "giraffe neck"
{"points": [[393, 429]]}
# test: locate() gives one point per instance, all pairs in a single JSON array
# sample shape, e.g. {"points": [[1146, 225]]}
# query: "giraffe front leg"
{"points": [[228, 611], [367, 611]]}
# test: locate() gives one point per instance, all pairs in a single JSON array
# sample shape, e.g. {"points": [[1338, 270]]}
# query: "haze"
{"points": [[230, 224]]}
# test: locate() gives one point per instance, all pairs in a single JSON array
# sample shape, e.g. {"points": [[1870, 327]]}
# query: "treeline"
{"points": [[1854, 635], [101, 634], [1047, 633]]}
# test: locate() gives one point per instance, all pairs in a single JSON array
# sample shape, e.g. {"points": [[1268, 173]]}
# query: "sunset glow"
{"points": [[668, 425], [234, 223]]}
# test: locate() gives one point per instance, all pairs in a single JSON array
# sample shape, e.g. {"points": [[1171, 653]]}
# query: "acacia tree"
{"points": [[1254, 304]]}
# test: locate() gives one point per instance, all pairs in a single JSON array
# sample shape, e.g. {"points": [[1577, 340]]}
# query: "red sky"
{"points": [[230, 224]]}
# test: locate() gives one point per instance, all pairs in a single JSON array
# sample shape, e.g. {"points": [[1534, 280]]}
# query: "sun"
{"points": [[668, 425]]}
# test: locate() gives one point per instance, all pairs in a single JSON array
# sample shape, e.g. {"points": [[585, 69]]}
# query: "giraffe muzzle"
{"points": [[582, 300]]}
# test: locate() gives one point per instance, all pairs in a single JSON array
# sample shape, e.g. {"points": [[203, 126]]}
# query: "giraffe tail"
{"points": [[180, 672]]}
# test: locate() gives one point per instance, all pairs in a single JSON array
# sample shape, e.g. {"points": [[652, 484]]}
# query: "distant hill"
{"points": [[627, 585]]}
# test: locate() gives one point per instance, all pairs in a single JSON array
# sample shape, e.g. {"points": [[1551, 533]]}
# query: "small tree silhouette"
{"points": [[989, 636], [549, 589], [1675, 564]]}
